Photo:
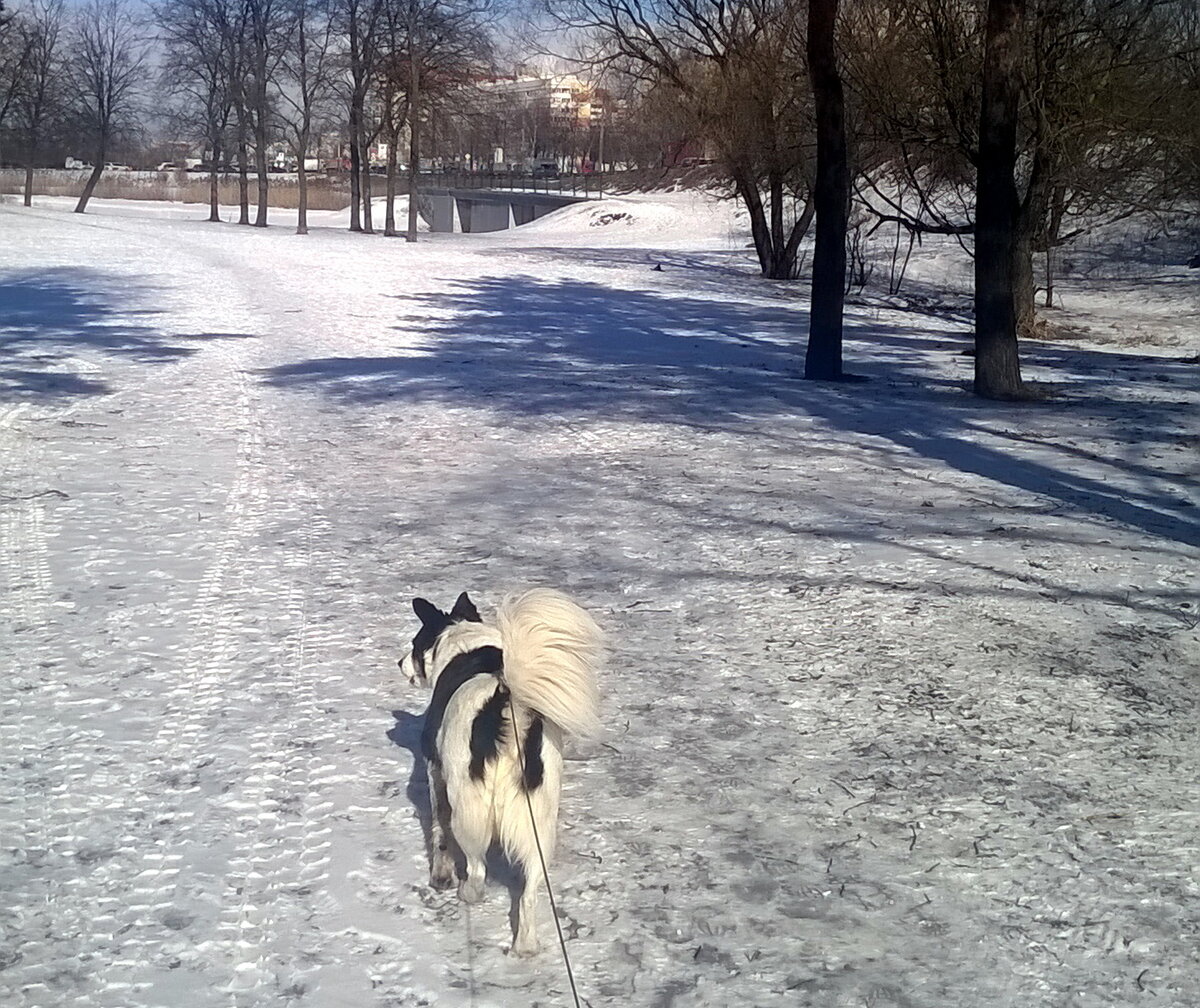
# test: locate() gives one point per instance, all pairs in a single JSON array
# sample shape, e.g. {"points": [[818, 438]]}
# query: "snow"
{"points": [[901, 709]]}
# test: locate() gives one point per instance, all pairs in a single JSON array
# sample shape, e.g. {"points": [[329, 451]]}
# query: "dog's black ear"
{"points": [[464, 609], [427, 612]]}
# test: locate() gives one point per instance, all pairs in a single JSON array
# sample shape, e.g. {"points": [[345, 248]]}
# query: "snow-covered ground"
{"points": [[902, 704]]}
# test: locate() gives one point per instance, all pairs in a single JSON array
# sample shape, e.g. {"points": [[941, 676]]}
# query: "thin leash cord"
{"points": [[562, 943]]}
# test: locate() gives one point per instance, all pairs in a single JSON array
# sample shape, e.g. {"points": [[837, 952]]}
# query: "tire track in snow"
{"points": [[31, 839], [185, 753], [281, 814], [120, 916]]}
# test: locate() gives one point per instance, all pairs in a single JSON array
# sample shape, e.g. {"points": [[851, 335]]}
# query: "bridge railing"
{"points": [[589, 185]]}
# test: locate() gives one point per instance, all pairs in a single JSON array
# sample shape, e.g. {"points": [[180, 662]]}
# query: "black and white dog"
{"points": [[504, 696]]}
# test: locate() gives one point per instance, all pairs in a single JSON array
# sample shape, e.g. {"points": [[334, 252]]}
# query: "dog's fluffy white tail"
{"points": [[552, 649]]}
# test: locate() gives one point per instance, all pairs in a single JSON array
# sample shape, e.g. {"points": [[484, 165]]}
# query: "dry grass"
{"points": [[176, 187]]}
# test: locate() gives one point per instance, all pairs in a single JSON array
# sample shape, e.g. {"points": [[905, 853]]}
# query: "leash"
{"points": [[562, 944]]}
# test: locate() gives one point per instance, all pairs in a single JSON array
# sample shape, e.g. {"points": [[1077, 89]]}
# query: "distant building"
{"points": [[565, 98]]}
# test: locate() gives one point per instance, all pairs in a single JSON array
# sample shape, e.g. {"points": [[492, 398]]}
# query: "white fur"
{"points": [[551, 651]]}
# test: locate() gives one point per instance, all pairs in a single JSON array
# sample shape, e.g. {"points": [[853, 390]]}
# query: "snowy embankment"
{"points": [[902, 701]]}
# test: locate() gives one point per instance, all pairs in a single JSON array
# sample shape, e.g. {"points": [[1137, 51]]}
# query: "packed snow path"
{"points": [[902, 701]]}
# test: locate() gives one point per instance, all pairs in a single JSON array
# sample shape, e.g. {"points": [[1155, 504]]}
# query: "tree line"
{"points": [[237, 77], [1022, 124], [1013, 125]]}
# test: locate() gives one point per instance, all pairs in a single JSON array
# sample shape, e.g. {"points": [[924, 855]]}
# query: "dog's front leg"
{"points": [[441, 862]]}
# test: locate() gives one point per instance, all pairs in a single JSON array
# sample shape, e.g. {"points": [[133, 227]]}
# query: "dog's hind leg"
{"points": [[522, 843], [525, 942], [441, 861], [471, 824], [530, 827]]}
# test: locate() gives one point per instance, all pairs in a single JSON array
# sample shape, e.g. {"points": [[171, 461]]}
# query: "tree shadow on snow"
{"points": [[573, 349], [48, 384], [46, 316]]}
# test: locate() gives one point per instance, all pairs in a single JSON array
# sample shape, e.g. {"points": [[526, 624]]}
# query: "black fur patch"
{"points": [[487, 732], [460, 669], [432, 625], [535, 769]]}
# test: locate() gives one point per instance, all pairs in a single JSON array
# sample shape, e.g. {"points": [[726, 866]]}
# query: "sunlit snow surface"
{"points": [[901, 706]]}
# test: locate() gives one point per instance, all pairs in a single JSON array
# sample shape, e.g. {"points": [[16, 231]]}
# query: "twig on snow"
{"points": [[868, 801], [41, 493], [917, 906]]}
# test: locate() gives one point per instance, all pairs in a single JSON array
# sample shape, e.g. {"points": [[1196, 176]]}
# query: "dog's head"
{"points": [[434, 623]]}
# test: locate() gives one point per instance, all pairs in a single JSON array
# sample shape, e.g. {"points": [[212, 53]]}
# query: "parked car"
{"points": [[166, 166], [113, 166]]}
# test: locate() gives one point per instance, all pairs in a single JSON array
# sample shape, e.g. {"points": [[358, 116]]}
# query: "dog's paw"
{"points": [[442, 879], [525, 948], [441, 871], [471, 891]]}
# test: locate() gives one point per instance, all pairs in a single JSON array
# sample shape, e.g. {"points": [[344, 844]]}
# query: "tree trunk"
{"points": [[28, 197], [260, 162], [243, 187], [1058, 207], [831, 197], [1049, 301], [799, 230], [760, 230], [302, 200], [1023, 286], [1030, 225], [243, 172], [355, 131], [389, 217], [368, 224], [90, 185], [781, 269], [414, 156], [997, 364], [214, 195], [214, 185]]}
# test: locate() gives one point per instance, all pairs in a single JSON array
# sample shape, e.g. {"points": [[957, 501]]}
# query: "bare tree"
{"points": [[360, 22], [1097, 83], [734, 70], [831, 196], [443, 45], [107, 61], [234, 21], [306, 85], [267, 22], [39, 100], [16, 42], [997, 365], [1177, 127], [197, 40], [393, 105]]}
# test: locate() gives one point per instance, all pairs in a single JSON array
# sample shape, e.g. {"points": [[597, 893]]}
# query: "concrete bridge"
{"points": [[480, 210]]}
